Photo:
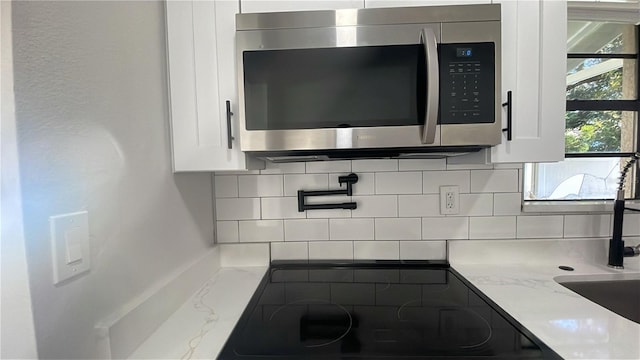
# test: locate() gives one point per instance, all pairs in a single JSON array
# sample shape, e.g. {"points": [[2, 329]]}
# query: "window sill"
{"points": [[577, 206]]}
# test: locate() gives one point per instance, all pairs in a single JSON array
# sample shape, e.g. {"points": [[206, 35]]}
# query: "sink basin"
{"points": [[620, 295]]}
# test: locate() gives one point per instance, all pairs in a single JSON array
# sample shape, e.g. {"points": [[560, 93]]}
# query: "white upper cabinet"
{"points": [[534, 69], [258, 6], [200, 46], [399, 3]]}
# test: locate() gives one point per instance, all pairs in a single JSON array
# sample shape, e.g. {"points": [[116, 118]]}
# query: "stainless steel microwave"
{"points": [[369, 82]]}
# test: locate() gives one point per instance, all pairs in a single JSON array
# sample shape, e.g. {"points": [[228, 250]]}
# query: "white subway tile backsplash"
{"points": [[398, 229], [281, 208], [507, 203], [283, 168], [491, 181], [540, 226], [374, 165], [226, 232], [432, 180], [226, 186], [508, 166], [364, 186], [423, 250], [331, 250], [376, 250], [239, 172], [328, 214], [261, 231], [398, 183], [496, 227], [418, 205], [307, 182], [260, 185], [631, 225], [289, 251], [398, 214], [238, 209], [351, 229], [342, 166], [476, 205], [445, 228], [422, 164], [587, 225], [520, 179], [244, 255], [306, 229], [463, 166], [375, 206]]}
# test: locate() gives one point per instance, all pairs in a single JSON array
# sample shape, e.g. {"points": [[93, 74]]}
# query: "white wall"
{"points": [[92, 115], [17, 339]]}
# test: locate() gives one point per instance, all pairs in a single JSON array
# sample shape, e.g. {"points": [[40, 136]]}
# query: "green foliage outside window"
{"points": [[594, 131]]}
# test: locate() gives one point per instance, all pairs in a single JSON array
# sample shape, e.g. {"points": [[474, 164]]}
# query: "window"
{"points": [[602, 128]]}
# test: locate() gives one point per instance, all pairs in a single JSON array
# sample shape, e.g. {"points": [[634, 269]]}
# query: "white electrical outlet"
{"points": [[449, 200]]}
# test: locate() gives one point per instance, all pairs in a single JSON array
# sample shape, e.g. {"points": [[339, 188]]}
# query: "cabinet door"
{"points": [[200, 46], [256, 6], [534, 69], [400, 3]]}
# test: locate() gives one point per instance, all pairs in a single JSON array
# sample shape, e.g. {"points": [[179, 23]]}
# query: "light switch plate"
{"points": [[70, 254]]}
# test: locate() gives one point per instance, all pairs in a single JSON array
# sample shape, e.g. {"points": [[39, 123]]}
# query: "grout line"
{"points": [[284, 231], [238, 229], [353, 250], [374, 229]]}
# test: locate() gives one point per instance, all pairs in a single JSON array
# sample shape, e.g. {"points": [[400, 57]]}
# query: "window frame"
{"points": [[606, 12], [611, 105]]}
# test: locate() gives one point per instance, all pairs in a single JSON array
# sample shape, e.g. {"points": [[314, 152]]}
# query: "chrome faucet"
{"points": [[617, 250]]}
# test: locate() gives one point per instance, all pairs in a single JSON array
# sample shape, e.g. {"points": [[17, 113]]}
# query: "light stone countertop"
{"points": [[518, 275], [201, 326]]}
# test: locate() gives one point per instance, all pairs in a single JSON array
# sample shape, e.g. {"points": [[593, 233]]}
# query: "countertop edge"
{"points": [[202, 325]]}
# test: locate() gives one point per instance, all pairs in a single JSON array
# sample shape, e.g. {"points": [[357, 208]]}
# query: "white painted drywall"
{"points": [[17, 340], [92, 115]]}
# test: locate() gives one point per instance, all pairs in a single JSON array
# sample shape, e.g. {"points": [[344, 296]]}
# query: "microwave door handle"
{"points": [[428, 39]]}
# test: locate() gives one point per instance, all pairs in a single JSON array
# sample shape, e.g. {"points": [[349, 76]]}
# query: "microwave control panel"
{"points": [[467, 83]]}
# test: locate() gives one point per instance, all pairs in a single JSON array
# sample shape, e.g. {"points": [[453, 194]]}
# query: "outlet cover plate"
{"points": [[70, 254], [449, 200]]}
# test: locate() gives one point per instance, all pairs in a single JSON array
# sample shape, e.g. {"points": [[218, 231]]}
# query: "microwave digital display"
{"points": [[464, 52]]}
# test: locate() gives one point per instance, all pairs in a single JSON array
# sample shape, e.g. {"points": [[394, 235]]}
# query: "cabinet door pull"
{"points": [[230, 137], [509, 105]]}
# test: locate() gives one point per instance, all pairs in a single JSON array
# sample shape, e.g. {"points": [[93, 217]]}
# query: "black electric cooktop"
{"points": [[381, 310]]}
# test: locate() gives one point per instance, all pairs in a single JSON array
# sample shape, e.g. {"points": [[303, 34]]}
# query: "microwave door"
{"points": [[297, 90]]}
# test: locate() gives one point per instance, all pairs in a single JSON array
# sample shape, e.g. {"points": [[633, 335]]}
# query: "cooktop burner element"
{"points": [[321, 323], [365, 311]]}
